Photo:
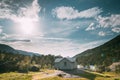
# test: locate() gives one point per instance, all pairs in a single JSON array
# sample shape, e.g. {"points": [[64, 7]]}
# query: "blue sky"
{"points": [[58, 27]]}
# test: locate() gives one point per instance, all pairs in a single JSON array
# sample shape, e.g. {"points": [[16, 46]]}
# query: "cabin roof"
{"points": [[70, 59]]}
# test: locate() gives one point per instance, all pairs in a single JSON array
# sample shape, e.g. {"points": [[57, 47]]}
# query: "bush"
{"points": [[23, 69], [101, 68], [107, 69], [34, 68], [117, 68], [61, 75]]}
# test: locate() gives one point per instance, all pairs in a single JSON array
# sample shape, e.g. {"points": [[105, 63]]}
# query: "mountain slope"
{"points": [[9, 49], [101, 55], [6, 48], [28, 53]]}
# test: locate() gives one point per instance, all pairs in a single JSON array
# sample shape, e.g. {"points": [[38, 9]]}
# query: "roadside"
{"points": [[59, 73]]}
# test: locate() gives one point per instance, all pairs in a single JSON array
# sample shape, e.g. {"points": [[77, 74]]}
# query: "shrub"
{"points": [[34, 68], [117, 68]]}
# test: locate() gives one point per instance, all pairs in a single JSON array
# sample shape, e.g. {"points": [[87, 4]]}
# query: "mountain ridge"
{"points": [[102, 53], [9, 49]]}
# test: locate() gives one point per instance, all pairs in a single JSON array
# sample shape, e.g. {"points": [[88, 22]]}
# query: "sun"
{"points": [[26, 26]]}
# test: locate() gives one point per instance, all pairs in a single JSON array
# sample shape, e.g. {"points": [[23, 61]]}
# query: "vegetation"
{"points": [[14, 66], [15, 76], [24, 63], [87, 75], [102, 56], [59, 78], [117, 69]]}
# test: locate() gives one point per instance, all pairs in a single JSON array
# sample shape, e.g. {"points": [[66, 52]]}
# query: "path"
{"points": [[42, 75]]}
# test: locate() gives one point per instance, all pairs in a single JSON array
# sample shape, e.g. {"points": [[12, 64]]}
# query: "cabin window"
{"points": [[65, 63]]}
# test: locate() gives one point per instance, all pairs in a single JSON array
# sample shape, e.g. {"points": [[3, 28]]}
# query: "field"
{"points": [[45, 75], [15, 76]]}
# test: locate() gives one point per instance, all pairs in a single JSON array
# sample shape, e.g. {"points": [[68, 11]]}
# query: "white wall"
{"points": [[69, 65]]}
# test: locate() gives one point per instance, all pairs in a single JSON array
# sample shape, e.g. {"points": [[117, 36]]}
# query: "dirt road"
{"points": [[42, 75]]}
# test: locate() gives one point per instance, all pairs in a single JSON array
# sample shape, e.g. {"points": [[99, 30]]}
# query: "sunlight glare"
{"points": [[27, 26]]}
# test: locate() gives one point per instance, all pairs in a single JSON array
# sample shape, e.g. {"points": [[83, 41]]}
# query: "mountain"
{"points": [[28, 53], [6, 48], [9, 49], [105, 54]]}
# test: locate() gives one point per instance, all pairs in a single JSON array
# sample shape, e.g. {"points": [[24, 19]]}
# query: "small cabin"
{"points": [[65, 63]]}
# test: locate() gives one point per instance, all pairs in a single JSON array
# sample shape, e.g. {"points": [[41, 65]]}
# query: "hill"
{"points": [[22, 61], [9, 49], [28, 53], [105, 54], [6, 48]]}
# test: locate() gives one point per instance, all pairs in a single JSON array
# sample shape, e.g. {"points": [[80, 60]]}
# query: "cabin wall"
{"points": [[65, 65]]}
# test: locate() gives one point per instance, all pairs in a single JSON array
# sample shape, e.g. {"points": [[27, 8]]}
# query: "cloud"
{"points": [[28, 12], [101, 33], [12, 38], [22, 16], [116, 29], [90, 27], [1, 29], [45, 46], [16, 40], [2, 34], [110, 21], [52, 38], [71, 13]]}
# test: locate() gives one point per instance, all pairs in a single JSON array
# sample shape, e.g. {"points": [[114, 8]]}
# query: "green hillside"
{"points": [[105, 54], [11, 60]]}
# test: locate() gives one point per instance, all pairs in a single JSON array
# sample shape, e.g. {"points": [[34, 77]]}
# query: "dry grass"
{"points": [[100, 76], [15, 76], [43, 74], [88, 75], [59, 78]]}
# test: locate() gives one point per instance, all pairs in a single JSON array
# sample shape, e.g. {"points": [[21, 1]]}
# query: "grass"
{"points": [[86, 75], [59, 78], [47, 71], [15, 76], [89, 75], [100, 76], [24, 76]]}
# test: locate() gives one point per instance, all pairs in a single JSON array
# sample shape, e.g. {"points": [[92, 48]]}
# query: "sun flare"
{"points": [[27, 26]]}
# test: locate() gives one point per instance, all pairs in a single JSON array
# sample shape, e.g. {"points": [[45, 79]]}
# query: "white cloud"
{"points": [[1, 29], [71, 13], [45, 46], [90, 27], [110, 21], [5, 12], [23, 17], [28, 12], [116, 29], [101, 33], [3, 35]]}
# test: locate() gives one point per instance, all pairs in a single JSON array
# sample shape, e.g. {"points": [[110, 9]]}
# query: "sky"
{"points": [[58, 27]]}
